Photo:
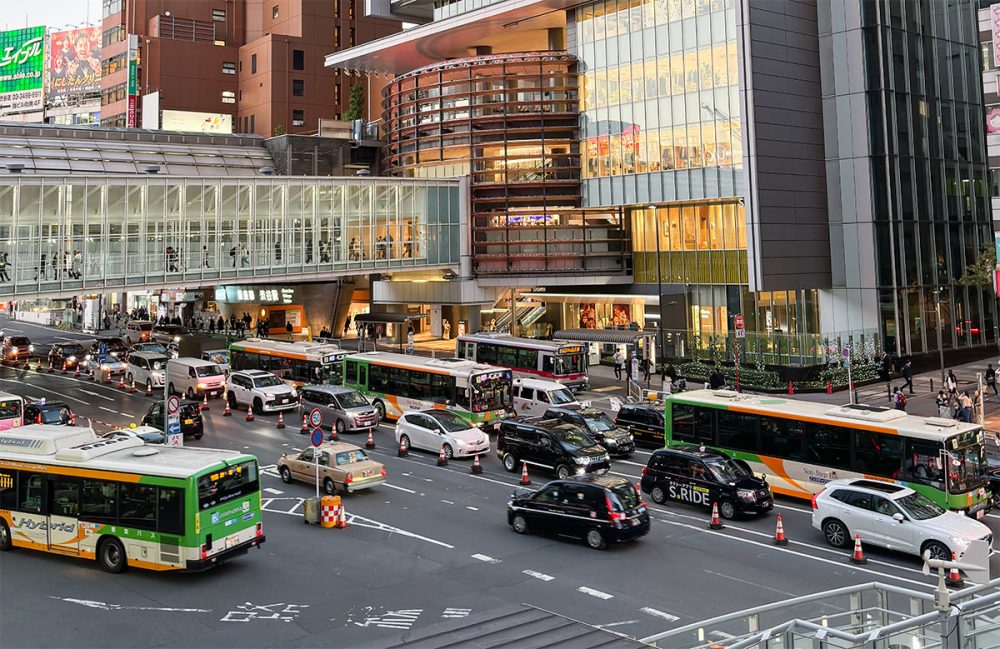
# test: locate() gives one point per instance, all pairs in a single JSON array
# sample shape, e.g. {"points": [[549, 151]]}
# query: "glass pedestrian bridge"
{"points": [[82, 234]]}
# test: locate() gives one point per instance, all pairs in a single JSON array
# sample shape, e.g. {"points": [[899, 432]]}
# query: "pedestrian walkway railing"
{"points": [[872, 615]]}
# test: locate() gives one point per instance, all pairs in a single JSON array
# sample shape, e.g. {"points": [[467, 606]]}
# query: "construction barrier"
{"points": [[329, 511]]}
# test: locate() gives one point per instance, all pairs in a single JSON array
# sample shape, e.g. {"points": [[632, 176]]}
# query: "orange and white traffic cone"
{"points": [[954, 578], [107, 378], [149, 389], [477, 468], [370, 443], [91, 375], [121, 382], [342, 518], [76, 374], [403, 451], [829, 387], [281, 421], [132, 388], [227, 412], [250, 413], [716, 522], [791, 388], [779, 533], [63, 371], [204, 401], [51, 369], [859, 556], [525, 480], [442, 458], [305, 425]]}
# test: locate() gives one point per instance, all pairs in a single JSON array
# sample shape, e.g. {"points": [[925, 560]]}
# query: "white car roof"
{"points": [[887, 489]]}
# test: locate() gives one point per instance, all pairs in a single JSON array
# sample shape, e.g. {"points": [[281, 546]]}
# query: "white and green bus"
{"points": [[396, 383], [115, 499], [801, 445]]}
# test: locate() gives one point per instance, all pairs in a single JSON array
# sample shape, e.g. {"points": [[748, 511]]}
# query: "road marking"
{"points": [[538, 575], [297, 505], [625, 475], [94, 394], [630, 462], [402, 619], [104, 606], [484, 558], [38, 387], [276, 492], [471, 508], [456, 612], [392, 486], [605, 626], [607, 388], [594, 593], [447, 502], [660, 614]]}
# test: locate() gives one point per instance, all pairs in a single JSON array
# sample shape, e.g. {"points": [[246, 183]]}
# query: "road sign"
{"points": [[173, 404], [174, 428], [741, 333], [174, 436], [317, 437], [738, 324], [316, 418]]}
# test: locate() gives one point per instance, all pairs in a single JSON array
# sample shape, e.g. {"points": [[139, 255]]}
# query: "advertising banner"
{"points": [[192, 122], [131, 118], [74, 62], [995, 28], [22, 59]]}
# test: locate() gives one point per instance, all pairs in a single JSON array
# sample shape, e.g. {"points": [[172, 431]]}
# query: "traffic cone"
{"points": [[342, 518], [76, 374], [442, 459], [477, 468], [524, 474], [371, 440], [779, 533], [149, 389], [63, 371], [333, 433], [954, 578], [132, 389], [204, 401], [90, 371], [716, 522], [402, 452], [305, 425], [829, 387], [51, 369], [859, 556], [121, 382], [281, 421], [250, 413], [227, 412], [107, 378], [791, 388]]}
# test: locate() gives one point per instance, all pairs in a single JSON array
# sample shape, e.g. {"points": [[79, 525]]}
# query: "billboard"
{"points": [[183, 120], [21, 62], [74, 62]]}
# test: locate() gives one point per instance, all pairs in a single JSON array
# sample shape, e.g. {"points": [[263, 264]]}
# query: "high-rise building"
{"points": [[817, 166], [257, 63]]}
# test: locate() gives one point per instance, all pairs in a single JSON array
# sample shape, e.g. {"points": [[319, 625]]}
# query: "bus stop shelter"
{"points": [[636, 343], [384, 323]]}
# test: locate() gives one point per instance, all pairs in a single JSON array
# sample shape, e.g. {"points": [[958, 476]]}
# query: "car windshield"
{"points": [[919, 507], [572, 438], [452, 423], [626, 495], [153, 347], [350, 457], [600, 423], [351, 400], [208, 370], [189, 409], [158, 363], [568, 364], [72, 350], [146, 326], [723, 470], [561, 397], [227, 483], [19, 341], [268, 381]]}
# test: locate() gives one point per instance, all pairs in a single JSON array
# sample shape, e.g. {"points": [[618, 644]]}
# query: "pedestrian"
{"points": [[409, 340], [41, 267], [898, 399], [716, 379], [77, 264], [951, 382], [277, 251], [645, 370], [943, 406], [886, 364], [965, 407], [347, 326], [288, 329], [908, 375], [4, 277], [204, 256], [618, 360], [220, 325], [447, 330], [991, 379]]}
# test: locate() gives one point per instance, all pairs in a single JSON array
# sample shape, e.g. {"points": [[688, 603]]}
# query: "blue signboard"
{"points": [[317, 437], [174, 428]]}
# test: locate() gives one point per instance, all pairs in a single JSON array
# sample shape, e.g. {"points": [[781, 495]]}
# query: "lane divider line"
{"points": [[594, 593], [538, 575], [484, 558], [660, 614]]}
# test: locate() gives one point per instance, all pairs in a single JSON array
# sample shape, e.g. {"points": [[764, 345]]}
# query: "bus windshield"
{"points": [[967, 469], [226, 484], [329, 374], [490, 391], [568, 364]]}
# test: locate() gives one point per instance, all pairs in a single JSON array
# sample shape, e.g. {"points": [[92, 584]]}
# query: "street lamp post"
{"points": [[659, 284], [937, 316]]}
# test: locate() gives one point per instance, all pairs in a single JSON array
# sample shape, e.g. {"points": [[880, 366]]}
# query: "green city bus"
{"points": [[396, 383], [125, 503], [801, 446]]}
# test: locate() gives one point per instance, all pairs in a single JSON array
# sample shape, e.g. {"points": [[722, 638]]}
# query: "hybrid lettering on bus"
{"points": [[295, 363], [801, 446], [397, 383], [125, 504], [557, 361]]}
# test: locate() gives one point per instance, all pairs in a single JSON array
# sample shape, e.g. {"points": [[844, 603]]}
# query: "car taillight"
{"points": [[383, 472], [349, 479], [204, 552], [38, 419], [613, 516], [643, 472], [260, 529], [814, 501]]}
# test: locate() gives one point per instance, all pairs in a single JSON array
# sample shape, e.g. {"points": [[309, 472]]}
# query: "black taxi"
{"points": [[699, 476]]}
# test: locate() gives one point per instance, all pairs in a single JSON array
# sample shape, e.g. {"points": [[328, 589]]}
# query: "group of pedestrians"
{"points": [[66, 264]]}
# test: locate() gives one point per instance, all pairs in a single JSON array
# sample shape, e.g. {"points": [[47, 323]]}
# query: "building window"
{"points": [[253, 126], [298, 87], [274, 12], [298, 60], [253, 64], [351, 42], [115, 34], [298, 118], [114, 64], [228, 97], [336, 94], [241, 95], [350, 9], [228, 67], [987, 56], [110, 7], [336, 35], [219, 15]]}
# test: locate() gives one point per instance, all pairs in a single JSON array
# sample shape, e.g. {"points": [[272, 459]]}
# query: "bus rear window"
{"points": [[230, 483]]}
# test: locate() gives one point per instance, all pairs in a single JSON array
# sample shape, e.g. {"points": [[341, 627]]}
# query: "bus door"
{"points": [[470, 351], [29, 519], [363, 375], [64, 512]]}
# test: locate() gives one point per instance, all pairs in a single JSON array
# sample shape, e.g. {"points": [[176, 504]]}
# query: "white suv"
{"points": [[260, 390], [894, 517]]}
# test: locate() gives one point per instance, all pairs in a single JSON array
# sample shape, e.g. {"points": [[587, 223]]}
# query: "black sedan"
{"points": [[53, 413], [190, 416]]}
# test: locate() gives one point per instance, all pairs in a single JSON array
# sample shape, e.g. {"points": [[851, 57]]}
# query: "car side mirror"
{"points": [[899, 518]]}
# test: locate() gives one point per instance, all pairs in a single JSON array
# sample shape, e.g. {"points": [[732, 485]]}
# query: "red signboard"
{"points": [[738, 320], [130, 115]]}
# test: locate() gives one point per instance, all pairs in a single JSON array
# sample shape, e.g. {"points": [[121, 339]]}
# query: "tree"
{"points": [[980, 272], [279, 130], [354, 107]]}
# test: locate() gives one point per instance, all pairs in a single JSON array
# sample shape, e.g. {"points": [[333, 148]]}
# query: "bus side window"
{"points": [[921, 463], [65, 497], [350, 372], [877, 453], [828, 445], [100, 501], [781, 437], [692, 423], [31, 491], [170, 511], [8, 489]]}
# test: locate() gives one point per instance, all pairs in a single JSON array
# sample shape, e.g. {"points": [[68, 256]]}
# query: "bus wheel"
{"points": [[111, 555], [6, 543], [380, 409]]}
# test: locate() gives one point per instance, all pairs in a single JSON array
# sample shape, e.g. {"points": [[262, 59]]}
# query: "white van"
{"points": [[146, 369], [138, 331], [194, 377], [532, 397]]}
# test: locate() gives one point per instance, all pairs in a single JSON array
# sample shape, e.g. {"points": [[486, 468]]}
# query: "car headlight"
{"points": [[610, 441], [177, 339], [746, 494], [71, 359], [581, 460], [200, 386], [31, 348], [87, 357]]}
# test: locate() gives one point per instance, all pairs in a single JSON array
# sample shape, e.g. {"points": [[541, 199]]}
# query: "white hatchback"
{"points": [[894, 517], [433, 429]]}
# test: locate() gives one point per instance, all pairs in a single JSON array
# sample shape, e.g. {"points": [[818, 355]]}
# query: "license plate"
{"points": [[189, 421], [231, 541]]}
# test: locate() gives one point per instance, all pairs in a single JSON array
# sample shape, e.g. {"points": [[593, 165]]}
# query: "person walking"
{"points": [[4, 277], [288, 329], [965, 407], [943, 404], [646, 370], [204, 256], [951, 382], [991, 379], [898, 399], [347, 326], [618, 360], [908, 376]]}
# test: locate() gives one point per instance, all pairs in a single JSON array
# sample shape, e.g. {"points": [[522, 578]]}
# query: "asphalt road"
{"points": [[431, 545]]}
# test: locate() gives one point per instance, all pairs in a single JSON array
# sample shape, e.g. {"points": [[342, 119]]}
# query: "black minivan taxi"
{"points": [[598, 509], [563, 449], [698, 476]]}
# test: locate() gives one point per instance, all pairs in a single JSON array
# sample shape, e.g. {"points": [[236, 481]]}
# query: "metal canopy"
{"points": [[609, 336], [387, 318]]}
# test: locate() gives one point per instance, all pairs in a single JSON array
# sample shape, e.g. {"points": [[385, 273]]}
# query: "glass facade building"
{"points": [[91, 233]]}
